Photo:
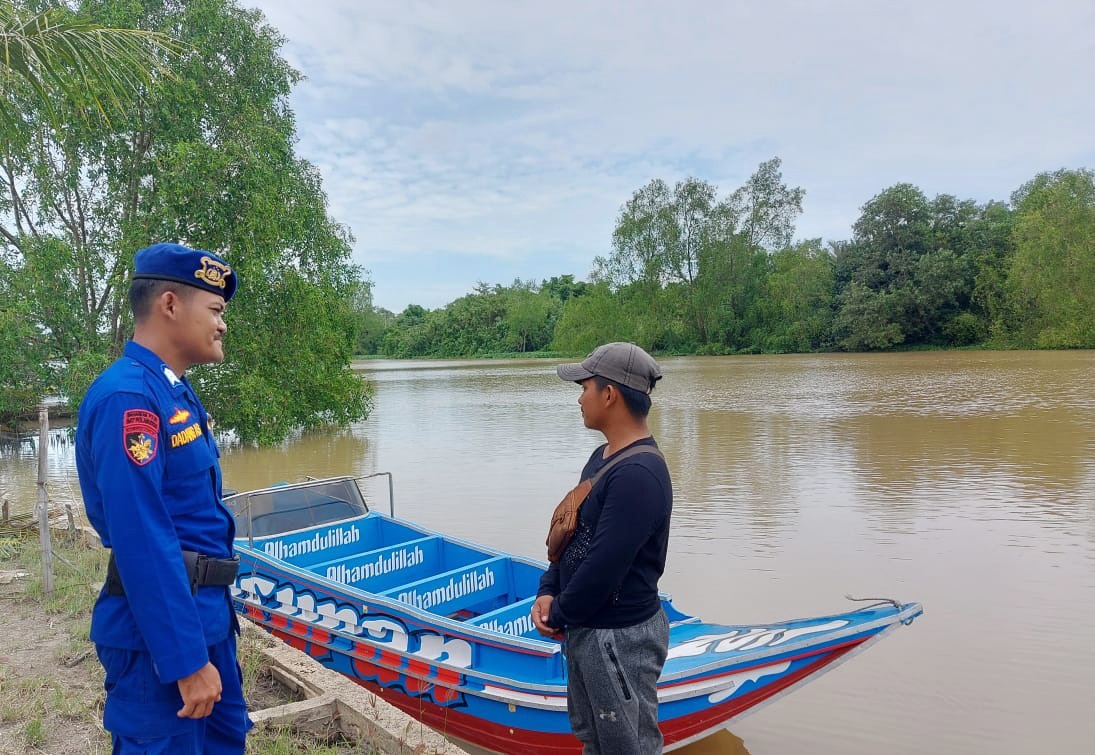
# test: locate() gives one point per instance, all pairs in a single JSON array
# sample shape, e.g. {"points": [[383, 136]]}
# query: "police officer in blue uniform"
{"points": [[163, 626]]}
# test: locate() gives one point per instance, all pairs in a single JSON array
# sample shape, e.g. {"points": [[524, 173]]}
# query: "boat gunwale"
{"points": [[527, 694], [685, 676]]}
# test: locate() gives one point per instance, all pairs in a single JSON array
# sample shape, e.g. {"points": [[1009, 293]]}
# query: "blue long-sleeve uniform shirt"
{"points": [[608, 575], [151, 483]]}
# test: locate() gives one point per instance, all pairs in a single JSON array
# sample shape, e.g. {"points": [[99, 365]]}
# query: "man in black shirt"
{"points": [[602, 593]]}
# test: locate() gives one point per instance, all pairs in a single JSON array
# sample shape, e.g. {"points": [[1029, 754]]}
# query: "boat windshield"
{"points": [[287, 508]]}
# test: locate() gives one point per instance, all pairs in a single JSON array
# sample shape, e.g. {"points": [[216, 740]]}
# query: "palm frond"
{"points": [[59, 53]]}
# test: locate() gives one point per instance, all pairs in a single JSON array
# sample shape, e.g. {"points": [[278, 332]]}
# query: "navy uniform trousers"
{"points": [[138, 704]]}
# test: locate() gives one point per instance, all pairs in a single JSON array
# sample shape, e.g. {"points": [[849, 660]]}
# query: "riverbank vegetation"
{"points": [[202, 154], [693, 272]]}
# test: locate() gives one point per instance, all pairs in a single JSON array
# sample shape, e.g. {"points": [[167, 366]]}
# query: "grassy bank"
{"points": [[51, 683]]}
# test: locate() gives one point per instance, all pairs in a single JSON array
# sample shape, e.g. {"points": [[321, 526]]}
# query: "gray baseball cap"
{"points": [[623, 363]]}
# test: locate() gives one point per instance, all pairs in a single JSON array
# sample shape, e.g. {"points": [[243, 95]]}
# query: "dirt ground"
{"points": [[51, 683]]}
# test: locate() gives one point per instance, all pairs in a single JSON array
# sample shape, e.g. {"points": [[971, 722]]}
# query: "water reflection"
{"points": [[722, 742], [19, 469], [311, 454]]}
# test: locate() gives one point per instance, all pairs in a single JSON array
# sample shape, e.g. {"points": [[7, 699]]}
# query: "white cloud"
{"points": [[507, 135]]}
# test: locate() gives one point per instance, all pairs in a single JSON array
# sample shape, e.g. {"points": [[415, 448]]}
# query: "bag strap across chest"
{"points": [[625, 454], [564, 519]]}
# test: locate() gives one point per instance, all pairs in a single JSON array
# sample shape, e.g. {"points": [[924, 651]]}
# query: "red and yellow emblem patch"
{"points": [[140, 435]]}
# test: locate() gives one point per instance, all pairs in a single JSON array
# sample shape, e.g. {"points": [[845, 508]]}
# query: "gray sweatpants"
{"points": [[612, 686]]}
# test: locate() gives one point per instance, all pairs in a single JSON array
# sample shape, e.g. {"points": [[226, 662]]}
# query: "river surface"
{"points": [[961, 480]]}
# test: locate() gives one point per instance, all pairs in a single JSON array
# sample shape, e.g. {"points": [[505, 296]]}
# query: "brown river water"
{"points": [[961, 480]]}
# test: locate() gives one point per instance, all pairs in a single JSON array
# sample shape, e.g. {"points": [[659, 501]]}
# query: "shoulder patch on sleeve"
{"points": [[140, 435]]}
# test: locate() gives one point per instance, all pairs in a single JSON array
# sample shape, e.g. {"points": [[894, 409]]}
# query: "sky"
{"points": [[466, 142]]}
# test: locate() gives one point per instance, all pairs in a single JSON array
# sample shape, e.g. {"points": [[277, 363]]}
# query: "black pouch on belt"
{"points": [[202, 571]]}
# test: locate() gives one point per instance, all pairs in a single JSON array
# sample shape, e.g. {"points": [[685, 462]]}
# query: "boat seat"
{"points": [[481, 583], [514, 618], [383, 568]]}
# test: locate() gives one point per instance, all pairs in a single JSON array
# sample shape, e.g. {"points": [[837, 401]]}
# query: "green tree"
{"points": [[530, 317], [1051, 283], [657, 242], [992, 251], [600, 316], [868, 319], [697, 258], [563, 288], [798, 298], [372, 321], [206, 159], [410, 334], [912, 263], [473, 324], [48, 53], [757, 219], [25, 372], [893, 230], [492, 319]]}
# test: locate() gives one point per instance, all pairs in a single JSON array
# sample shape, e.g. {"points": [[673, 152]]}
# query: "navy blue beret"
{"points": [[175, 262]]}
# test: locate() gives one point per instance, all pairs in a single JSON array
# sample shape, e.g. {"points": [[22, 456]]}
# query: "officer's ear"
{"points": [[167, 304], [171, 301]]}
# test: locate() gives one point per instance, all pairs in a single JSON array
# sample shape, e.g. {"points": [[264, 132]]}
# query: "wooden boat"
{"points": [[440, 627]]}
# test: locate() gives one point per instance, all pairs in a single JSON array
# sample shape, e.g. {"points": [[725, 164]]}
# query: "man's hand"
{"points": [[540, 610], [199, 691]]}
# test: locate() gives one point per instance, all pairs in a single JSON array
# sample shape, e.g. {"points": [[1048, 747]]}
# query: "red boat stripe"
{"points": [[507, 739]]}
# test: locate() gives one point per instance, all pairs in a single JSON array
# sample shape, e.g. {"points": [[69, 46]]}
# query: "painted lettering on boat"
{"points": [[750, 639], [318, 542], [331, 614], [516, 626], [469, 583], [404, 558]]}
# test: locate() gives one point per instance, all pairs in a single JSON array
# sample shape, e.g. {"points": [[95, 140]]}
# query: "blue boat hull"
{"points": [[440, 628]]}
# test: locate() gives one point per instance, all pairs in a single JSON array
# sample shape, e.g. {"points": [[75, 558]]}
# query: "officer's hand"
{"points": [[199, 691], [540, 610]]}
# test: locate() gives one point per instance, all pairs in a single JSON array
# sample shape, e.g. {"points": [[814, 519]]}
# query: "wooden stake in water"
{"points": [[43, 501]]}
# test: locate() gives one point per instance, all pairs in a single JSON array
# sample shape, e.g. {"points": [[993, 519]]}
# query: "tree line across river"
{"points": [[691, 272]]}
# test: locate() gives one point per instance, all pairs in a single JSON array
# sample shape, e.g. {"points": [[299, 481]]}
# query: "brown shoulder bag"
{"points": [[565, 519]]}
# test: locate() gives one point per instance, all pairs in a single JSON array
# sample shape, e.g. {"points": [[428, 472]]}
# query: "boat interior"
{"points": [[391, 557]]}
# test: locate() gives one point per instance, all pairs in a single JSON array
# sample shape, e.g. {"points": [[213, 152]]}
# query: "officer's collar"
{"points": [[149, 359]]}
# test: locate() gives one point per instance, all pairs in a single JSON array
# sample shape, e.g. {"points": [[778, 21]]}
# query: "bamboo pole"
{"points": [[43, 501]]}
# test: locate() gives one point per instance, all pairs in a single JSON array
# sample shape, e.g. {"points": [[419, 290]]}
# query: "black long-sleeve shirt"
{"points": [[608, 575]]}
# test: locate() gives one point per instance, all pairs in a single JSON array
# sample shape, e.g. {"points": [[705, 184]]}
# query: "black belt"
{"points": [[202, 571]]}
